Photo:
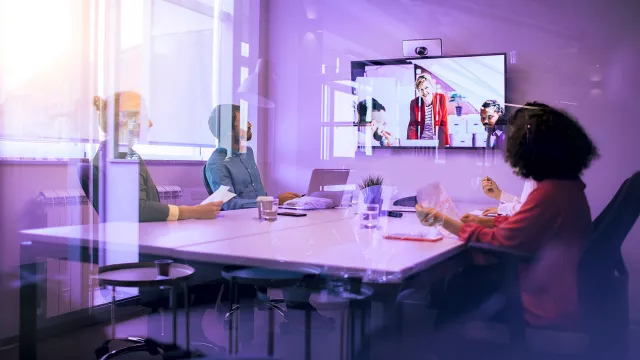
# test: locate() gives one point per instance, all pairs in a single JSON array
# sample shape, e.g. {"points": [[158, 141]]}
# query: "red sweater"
{"points": [[554, 223], [416, 117]]}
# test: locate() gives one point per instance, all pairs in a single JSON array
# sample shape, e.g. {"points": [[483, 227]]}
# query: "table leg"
{"points": [[271, 337], [307, 334], [28, 311], [342, 326], [231, 300], [352, 332]]}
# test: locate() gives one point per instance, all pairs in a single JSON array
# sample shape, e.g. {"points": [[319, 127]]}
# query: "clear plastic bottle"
{"points": [[133, 131]]}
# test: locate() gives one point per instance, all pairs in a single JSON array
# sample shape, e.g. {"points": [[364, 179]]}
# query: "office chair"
{"points": [[205, 180], [603, 279], [602, 295], [409, 201]]}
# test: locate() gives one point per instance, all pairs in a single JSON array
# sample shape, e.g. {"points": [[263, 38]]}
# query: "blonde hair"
{"points": [[425, 78], [128, 101]]}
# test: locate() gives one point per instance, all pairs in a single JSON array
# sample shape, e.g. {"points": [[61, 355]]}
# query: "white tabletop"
{"points": [[329, 241], [175, 234], [337, 248]]}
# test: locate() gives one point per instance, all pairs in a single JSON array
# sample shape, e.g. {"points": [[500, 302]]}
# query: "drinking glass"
{"points": [[369, 216], [270, 209]]}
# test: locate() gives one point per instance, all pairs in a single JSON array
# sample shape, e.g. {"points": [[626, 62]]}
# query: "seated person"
{"points": [[237, 170], [554, 223], [128, 108], [376, 123], [509, 204], [494, 120]]}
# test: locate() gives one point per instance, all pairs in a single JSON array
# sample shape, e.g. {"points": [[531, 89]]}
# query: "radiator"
{"points": [[68, 283]]}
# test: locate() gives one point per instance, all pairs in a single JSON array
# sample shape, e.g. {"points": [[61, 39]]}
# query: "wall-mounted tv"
{"points": [[430, 102]]}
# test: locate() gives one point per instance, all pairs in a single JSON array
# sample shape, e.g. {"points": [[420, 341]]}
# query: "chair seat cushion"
{"points": [[261, 277]]}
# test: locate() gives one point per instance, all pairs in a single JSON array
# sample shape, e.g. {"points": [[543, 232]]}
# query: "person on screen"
{"points": [[428, 113], [376, 123], [129, 110], [553, 224], [493, 118], [238, 169]]}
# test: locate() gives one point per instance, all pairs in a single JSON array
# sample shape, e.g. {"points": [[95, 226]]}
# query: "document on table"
{"points": [[479, 213], [222, 194]]}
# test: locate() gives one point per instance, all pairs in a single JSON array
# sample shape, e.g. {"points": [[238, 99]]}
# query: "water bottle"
{"points": [[132, 138]]}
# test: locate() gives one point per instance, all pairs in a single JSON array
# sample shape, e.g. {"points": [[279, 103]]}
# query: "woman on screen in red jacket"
{"points": [[428, 113], [553, 224]]}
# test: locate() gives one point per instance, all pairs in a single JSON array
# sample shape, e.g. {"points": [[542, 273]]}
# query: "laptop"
{"points": [[326, 184]]}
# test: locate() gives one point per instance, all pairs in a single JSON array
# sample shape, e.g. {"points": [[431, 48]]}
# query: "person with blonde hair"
{"points": [[129, 109], [428, 113]]}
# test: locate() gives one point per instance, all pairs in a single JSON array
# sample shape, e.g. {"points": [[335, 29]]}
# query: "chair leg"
{"points": [[231, 312], [276, 307], [125, 350]]}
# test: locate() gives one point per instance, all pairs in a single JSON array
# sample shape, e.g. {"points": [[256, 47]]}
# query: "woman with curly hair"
{"points": [[554, 223]]}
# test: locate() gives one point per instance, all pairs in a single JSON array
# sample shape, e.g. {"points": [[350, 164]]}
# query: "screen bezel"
{"points": [[358, 68]]}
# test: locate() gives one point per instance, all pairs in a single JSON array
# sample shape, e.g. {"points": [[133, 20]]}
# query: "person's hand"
{"points": [[284, 197], [470, 218], [475, 219], [203, 211], [428, 216], [490, 188], [490, 211]]}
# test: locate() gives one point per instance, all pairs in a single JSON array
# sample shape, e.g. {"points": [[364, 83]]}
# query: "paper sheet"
{"points": [[222, 194]]}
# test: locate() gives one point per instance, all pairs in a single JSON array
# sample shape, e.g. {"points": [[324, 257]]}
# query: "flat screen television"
{"points": [[449, 101]]}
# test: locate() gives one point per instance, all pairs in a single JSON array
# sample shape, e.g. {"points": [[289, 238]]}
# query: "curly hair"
{"points": [[547, 143]]}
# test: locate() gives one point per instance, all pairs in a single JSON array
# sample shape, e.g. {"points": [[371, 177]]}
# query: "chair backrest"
{"points": [[84, 176], [205, 180], [602, 274], [409, 201], [611, 228]]}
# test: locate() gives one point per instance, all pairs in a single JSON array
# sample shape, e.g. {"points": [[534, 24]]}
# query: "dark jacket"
{"points": [[150, 209]]}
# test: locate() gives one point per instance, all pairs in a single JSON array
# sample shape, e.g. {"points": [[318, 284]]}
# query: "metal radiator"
{"points": [[68, 283]]}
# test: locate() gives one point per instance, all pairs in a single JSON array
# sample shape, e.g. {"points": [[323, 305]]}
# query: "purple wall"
{"points": [[579, 58]]}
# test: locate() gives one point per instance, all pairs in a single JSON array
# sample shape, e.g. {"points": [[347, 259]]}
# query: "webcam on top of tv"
{"points": [[423, 47]]}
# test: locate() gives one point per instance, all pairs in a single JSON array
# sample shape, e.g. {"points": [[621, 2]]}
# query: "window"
{"points": [[161, 49]]}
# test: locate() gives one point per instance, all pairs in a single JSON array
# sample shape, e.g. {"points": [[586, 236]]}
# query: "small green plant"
{"points": [[371, 180], [456, 98]]}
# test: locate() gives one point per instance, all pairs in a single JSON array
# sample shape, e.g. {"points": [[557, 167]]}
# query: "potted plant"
{"points": [[371, 188], [458, 99]]}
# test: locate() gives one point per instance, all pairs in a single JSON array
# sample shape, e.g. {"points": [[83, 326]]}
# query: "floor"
{"points": [[208, 327]]}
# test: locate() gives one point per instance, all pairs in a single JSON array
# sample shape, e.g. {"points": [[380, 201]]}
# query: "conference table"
{"points": [[329, 242]]}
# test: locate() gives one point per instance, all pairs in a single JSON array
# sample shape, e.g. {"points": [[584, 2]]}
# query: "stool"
{"points": [[357, 294], [145, 274], [261, 279]]}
